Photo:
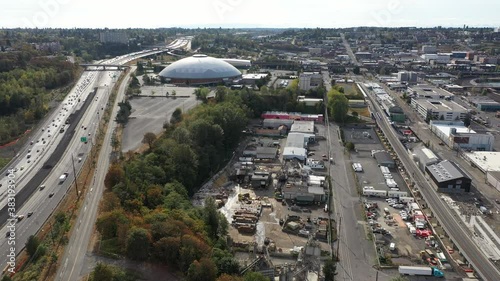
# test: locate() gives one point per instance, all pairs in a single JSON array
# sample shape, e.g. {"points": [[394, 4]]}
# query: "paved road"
{"points": [[74, 255], [349, 50], [453, 225], [356, 253]]}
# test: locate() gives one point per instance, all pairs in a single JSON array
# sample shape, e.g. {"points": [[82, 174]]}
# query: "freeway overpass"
{"points": [[103, 67], [453, 225]]}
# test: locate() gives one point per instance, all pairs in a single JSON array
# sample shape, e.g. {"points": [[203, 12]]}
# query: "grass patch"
{"points": [[4, 162], [361, 111]]}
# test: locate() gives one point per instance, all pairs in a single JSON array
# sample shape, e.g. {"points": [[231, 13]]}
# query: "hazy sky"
{"points": [[247, 13]]}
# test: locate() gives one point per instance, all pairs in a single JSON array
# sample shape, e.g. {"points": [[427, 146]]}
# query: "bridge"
{"points": [[103, 66]]}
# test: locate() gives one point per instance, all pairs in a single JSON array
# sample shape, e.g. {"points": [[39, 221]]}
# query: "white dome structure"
{"points": [[199, 69]]}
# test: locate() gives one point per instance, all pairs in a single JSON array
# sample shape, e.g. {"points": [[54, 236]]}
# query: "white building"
{"points": [[409, 77], [290, 153], [309, 101], [310, 80], [306, 127], [456, 135], [433, 109]]}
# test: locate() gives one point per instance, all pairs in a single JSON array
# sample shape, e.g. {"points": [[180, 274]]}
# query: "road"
{"points": [[76, 249], [453, 225], [349, 50], [44, 168], [356, 253]]}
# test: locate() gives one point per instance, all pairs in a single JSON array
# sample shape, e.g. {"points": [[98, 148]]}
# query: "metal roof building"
{"points": [[448, 177], [384, 159], [303, 127]]}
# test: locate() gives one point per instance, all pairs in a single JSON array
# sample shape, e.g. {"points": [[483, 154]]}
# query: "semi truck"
{"points": [[420, 271]]}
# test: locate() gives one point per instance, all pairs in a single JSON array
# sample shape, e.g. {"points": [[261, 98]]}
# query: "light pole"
{"points": [[75, 176]]}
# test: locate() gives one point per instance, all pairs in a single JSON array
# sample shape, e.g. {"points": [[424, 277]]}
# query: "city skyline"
{"points": [[238, 13]]}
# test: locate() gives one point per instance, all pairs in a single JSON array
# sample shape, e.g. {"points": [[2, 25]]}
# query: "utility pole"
{"points": [[338, 238], [75, 176]]}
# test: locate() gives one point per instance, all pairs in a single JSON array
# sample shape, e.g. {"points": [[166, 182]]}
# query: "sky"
{"points": [[247, 13]]}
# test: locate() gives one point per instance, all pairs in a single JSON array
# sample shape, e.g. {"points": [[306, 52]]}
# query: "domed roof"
{"points": [[200, 67]]}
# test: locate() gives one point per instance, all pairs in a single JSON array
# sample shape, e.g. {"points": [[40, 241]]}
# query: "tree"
{"points": [[338, 105], [226, 277], [467, 120], [149, 138], [138, 244], [329, 269], [255, 276], [211, 217], [102, 272], [176, 116], [349, 146], [355, 114], [114, 176], [32, 245], [203, 270], [356, 70]]}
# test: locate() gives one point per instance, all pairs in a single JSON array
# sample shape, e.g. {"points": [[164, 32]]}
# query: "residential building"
{"points": [[448, 177]]}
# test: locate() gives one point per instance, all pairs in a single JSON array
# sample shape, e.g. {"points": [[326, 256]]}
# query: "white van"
{"points": [[392, 246]]}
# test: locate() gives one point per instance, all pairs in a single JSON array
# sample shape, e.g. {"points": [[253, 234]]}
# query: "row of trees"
{"points": [[146, 212]]}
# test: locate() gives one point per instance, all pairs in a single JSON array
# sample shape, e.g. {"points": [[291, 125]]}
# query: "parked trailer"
{"points": [[391, 183], [385, 170], [397, 194], [420, 271], [375, 192], [405, 199]]}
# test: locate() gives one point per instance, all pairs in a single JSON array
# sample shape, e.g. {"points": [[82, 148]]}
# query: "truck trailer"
{"points": [[420, 271]]}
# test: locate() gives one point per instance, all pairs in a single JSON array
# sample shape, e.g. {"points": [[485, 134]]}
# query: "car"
{"points": [[20, 217], [28, 156], [50, 195], [79, 159], [22, 168], [31, 143], [310, 154], [30, 214], [29, 161], [497, 201], [324, 156], [42, 187]]}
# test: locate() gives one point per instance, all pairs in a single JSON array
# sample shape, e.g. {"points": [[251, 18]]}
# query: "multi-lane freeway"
{"points": [[453, 225], [52, 151]]}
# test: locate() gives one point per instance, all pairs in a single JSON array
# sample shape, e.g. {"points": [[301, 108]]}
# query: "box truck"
{"points": [[420, 270]]}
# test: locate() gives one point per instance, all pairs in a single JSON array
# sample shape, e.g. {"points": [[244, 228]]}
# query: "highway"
{"points": [[453, 225], [45, 168]]}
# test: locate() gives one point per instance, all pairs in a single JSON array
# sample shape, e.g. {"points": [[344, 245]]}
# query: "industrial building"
{"points": [[277, 123], [448, 177], [310, 80], [306, 127], [290, 153], [439, 109], [456, 135], [264, 152], [292, 116], [407, 77], [252, 78], [384, 159], [486, 105], [425, 91], [493, 179], [486, 161], [199, 70], [423, 157]]}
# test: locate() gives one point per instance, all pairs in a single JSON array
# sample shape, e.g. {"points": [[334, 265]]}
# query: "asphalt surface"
{"points": [[453, 225], [355, 252]]}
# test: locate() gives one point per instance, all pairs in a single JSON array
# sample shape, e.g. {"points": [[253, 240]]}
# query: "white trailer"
{"points": [[408, 200], [397, 194], [420, 270], [414, 206], [385, 170], [391, 183], [375, 192]]}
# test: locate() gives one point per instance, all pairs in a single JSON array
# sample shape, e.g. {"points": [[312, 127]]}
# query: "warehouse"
{"points": [[266, 152], [486, 161], [456, 135], [424, 157], [306, 127], [276, 123], [384, 159], [290, 153], [448, 177], [305, 195]]}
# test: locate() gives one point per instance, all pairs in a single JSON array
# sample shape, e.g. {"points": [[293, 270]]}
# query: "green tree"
{"points": [[114, 176], [102, 272], [467, 120], [32, 245], [356, 70], [138, 244], [338, 106], [203, 270], [176, 116], [355, 114], [255, 276], [349, 146], [149, 138], [329, 269], [202, 93]]}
